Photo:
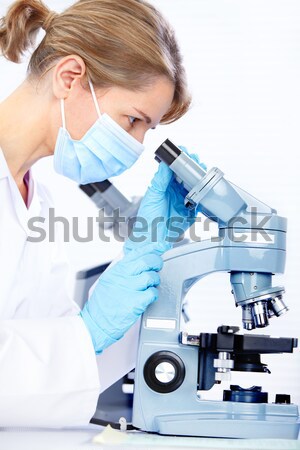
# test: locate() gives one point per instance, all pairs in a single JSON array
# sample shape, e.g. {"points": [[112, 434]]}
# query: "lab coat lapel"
{"points": [[22, 212]]}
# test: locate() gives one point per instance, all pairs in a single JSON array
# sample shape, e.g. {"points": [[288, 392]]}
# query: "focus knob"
{"points": [[164, 372]]}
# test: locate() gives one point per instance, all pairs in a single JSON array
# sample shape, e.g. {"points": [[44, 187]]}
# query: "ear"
{"points": [[67, 72]]}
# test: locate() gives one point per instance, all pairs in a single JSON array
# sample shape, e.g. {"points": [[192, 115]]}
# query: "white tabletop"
{"points": [[82, 439]]}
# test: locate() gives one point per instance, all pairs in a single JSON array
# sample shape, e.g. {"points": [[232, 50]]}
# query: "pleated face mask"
{"points": [[106, 150]]}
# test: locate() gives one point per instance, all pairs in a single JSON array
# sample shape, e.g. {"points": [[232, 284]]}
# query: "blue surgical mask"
{"points": [[106, 150]]}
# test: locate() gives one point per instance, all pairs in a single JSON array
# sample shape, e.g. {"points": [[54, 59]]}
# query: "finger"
{"points": [[196, 158], [147, 297], [151, 294], [162, 178], [157, 248], [146, 279], [145, 263]]}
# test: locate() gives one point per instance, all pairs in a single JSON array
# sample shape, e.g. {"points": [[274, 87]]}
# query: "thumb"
{"points": [[162, 178]]}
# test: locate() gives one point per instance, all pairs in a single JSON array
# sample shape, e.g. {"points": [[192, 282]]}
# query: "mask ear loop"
{"points": [[94, 98], [62, 109]]}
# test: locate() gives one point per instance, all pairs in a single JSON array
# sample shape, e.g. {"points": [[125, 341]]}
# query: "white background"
{"points": [[243, 63]]}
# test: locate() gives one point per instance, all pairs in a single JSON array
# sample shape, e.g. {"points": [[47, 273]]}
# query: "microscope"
{"points": [[112, 205], [173, 367]]}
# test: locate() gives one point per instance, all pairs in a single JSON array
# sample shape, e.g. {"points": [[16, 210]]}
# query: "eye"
{"points": [[132, 119]]}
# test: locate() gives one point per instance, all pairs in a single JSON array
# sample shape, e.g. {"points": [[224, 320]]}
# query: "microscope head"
{"points": [[243, 221], [217, 198]]}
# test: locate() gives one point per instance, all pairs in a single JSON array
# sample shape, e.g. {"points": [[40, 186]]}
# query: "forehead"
{"points": [[155, 100]]}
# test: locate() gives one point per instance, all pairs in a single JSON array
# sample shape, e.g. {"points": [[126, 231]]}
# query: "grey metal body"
{"points": [[251, 246]]}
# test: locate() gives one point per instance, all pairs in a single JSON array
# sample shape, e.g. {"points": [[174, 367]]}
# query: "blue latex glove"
{"points": [[162, 208], [122, 294]]}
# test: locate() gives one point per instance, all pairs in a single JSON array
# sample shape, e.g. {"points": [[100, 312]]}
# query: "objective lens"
{"points": [[260, 315], [247, 319], [278, 306]]}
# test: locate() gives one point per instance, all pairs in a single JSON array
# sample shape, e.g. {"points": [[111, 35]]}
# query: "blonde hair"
{"points": [[125, 43]]}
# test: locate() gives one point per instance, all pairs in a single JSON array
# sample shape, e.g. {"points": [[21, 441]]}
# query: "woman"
{"points": [[104, 74]]}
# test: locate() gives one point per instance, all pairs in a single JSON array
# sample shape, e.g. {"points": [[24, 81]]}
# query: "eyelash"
{"points": [[132, 122], [135, 119]]}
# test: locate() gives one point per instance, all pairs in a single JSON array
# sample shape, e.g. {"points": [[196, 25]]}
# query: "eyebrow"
{"points": [[147, 118]]}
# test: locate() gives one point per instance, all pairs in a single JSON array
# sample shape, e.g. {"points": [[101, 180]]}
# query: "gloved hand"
{"points": [[122, 294], [163, 209]]}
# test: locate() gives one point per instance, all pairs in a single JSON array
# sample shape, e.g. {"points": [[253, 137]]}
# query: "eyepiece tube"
{"points": [[112, 196], [185, 168], [167, 152], [105, 195]]}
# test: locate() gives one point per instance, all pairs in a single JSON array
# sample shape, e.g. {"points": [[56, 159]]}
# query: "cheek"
{"points": [[139, 131], [78, 125], [139, 135], [80, 115], [121, 120]]}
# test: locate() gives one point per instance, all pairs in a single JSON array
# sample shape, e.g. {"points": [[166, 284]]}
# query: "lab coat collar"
{"points": [[23, 213]]}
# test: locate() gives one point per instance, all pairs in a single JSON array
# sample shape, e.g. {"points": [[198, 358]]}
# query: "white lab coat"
{"points": [[49, 374]]}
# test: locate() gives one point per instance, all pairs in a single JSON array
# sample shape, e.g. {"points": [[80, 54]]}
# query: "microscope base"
{"points": [[233, 420]]}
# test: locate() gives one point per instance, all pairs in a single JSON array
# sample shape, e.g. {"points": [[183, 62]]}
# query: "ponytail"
{"points": [[20, 26]]}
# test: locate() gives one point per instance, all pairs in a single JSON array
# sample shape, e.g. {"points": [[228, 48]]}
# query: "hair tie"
{"points": [[47, 23]]}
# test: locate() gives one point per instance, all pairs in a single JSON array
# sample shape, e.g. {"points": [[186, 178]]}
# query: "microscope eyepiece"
{"points": [[102, 186], [88, 189], [167, 152], [187, 171], [91, 188]]}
